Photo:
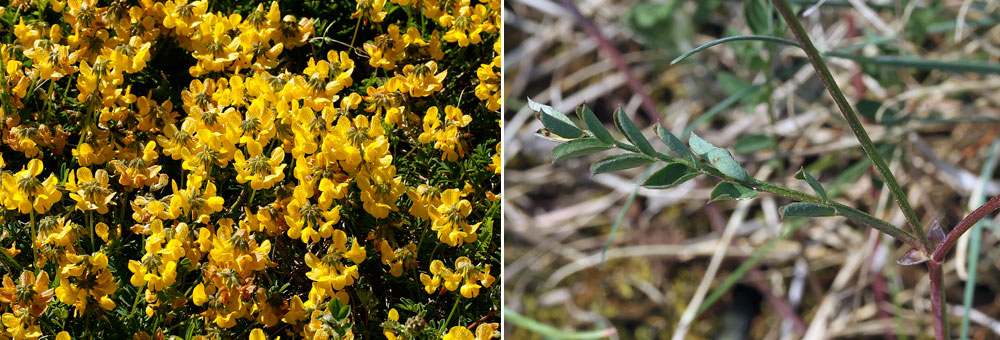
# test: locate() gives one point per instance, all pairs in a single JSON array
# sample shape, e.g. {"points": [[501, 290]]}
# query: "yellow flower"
{"points": [[397, 259], [91, 192], [21, 326], [444, 133], [262, 172], [194, 201], [24, 192], [425, 198], [329, 272], [370, 10], [30, 293], [496, 165], [85, 280], [459, 333], [423, 79], [182, 15], [380, 189], [449, 219]]}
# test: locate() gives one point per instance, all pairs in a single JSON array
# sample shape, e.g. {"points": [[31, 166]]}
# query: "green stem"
{"points": [[852, 119], [454, 307], [552, 332], [135, 301], [90, 226], [34, 250], [840, 209], [356, 27]]}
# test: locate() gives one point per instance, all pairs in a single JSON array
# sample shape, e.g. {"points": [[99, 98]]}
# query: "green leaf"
{"points": [[954, 66], [805, 209], [758, 16], [619, 162], [577, 148], [675, 144], [732, 191], [753, 142], [719, 158], [735, 38], [670, 175], [700, 146], [595, 125], [804, 175], [633, 133], [732, 84], [547, 331], [555, 121], [724, 161]]}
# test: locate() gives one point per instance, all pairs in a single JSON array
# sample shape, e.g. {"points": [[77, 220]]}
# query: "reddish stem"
{"points": [[490, 314], [963, 226], [938, 308], [648, 104]]}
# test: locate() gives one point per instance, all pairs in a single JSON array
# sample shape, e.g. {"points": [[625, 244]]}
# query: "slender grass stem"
{"points": [[852, 120]]}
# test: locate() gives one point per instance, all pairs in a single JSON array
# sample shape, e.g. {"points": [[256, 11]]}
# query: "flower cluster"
{"points": [[192, 169]]}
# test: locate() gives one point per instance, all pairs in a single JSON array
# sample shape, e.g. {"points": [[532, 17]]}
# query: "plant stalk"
{"points": [[852, 120], [938, 307], [963, 226]]}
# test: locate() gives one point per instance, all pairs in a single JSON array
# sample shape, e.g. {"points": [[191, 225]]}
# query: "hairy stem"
{"points": [[852, 119], [963, 226]]}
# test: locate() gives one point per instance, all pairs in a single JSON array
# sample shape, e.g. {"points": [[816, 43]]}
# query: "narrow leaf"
{"points": [[913, 257], [619, 162], [552, 332], [675, 144], [955, 66], [633, 133], [555, 121], [577, 148], [804, 175], [732, 191], [735, 38], [595, 125], [670, 175], [805, 209]]}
